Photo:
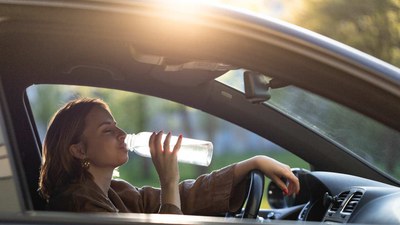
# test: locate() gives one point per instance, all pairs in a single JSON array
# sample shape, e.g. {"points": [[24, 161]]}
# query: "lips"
{"points": [[123, 146]]}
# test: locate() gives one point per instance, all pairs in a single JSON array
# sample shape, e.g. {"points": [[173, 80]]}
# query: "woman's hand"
{"points": [[166, 164], [271, 168]]}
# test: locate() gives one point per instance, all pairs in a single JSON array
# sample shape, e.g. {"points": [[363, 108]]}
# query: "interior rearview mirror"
{"points": [[256, 87]]}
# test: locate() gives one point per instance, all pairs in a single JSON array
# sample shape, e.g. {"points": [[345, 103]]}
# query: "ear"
{"points": [[77, 151]]}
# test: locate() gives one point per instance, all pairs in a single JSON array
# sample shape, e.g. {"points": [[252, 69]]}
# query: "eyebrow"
{"points": [[106, 123]]}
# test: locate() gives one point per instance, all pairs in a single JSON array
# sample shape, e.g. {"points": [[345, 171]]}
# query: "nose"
{"points": [[122, 134]]}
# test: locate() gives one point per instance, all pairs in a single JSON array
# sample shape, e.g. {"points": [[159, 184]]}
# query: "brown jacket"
{"points": [[209, 194]]}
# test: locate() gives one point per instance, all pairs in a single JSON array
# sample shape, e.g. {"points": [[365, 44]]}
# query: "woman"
{"points": [[84, 145]]}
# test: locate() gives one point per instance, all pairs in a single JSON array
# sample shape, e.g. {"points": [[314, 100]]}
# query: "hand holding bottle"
{"points": [[166, 163], [164, 158]]}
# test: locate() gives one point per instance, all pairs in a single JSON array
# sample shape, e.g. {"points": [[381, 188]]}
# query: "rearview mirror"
{"points": [[256, 87]]}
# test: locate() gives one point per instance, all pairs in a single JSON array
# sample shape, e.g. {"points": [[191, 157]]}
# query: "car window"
{"points": [[365, 137], [135, 113], [8, 194]]}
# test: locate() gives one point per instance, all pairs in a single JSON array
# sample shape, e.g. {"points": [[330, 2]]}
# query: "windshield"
{"points": [[373, 141]]}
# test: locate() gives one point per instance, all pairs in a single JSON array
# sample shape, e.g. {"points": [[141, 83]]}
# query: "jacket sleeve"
{"points": [[81, 200], [212, 194], [209, 194], [142, 200]]}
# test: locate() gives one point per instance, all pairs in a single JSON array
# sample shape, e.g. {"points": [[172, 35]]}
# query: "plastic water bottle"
{"points": [[192, 151]]}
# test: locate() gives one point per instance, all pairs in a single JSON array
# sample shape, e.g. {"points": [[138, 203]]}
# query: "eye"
{"points": [[108, 131]]}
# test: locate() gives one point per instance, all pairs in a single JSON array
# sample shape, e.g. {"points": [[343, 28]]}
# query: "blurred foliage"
{"points": [[369, 25]]}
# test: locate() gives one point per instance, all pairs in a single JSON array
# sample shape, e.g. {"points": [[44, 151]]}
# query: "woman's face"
{"points": [[105, 146]]}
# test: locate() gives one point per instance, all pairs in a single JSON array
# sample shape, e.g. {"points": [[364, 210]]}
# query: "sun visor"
{"points": [[179, 71]]}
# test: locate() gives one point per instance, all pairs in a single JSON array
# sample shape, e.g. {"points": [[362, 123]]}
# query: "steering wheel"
{"points": [[254, 196]]}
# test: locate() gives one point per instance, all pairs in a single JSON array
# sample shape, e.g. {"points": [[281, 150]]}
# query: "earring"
{"points": [[85, 163]]}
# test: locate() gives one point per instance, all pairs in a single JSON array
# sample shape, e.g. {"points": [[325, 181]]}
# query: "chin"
{"points": [[124, 160]]}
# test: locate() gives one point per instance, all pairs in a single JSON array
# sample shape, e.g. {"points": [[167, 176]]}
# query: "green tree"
{"points": [[369, 25]]}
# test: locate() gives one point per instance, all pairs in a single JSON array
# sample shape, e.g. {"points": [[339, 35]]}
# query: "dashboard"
{"points": [[336, 198]]}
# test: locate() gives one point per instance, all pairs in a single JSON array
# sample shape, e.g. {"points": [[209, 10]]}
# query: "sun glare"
{"points": [[281, 9]]}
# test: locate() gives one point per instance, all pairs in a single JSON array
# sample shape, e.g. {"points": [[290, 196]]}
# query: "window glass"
{"points": [[135, 113], [371, 140]]}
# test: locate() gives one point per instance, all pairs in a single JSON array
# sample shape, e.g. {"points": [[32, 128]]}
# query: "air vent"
{"points": [[338, 200], [352, 203]]}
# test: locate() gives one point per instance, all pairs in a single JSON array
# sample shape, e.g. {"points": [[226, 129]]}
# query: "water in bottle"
{"points": [[192, 151]]}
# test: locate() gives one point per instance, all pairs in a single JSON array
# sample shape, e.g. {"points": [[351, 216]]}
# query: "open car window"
{"points": [[136, 112]]}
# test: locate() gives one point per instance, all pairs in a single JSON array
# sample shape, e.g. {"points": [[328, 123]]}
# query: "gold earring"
{"points": [[85, 163]]}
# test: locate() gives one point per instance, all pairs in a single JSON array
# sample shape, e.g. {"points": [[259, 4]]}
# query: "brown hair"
{"points": [[59, 168]]}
